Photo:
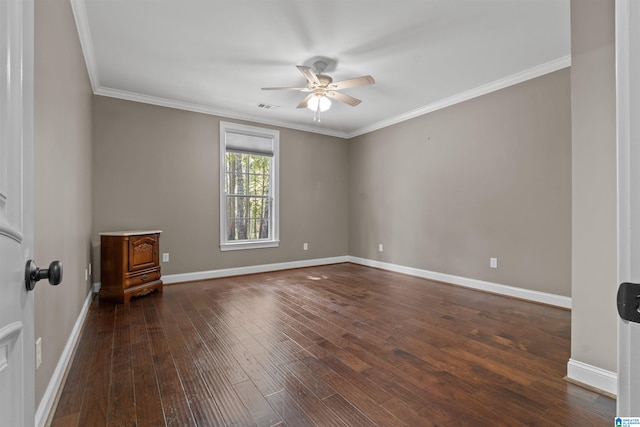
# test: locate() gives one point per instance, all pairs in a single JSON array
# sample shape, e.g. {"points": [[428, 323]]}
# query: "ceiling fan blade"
{"points": [[343, 98], [301, 89], [309, 74], [358, 81], [305, 101]]}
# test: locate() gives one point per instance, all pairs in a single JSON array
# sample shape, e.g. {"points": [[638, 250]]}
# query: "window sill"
{"points": [[238, 246]]}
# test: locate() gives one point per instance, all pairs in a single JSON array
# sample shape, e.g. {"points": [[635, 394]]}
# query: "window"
{"points": [[248, 187]]}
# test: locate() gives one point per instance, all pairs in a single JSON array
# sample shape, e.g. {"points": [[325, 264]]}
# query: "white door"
{"points": [[17, 406], [628, 126]]}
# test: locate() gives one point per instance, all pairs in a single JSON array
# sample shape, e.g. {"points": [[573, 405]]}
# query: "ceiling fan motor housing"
{"points": [[324, 80]]}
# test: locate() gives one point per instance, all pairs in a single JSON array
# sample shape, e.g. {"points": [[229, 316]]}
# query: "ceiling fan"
{"points": [[321, 87]]}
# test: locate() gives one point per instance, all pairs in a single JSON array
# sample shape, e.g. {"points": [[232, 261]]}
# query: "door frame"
{"points": [[627, 29]]}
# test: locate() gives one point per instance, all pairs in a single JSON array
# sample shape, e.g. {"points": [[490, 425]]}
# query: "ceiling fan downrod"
{"points": [[319, 67]]}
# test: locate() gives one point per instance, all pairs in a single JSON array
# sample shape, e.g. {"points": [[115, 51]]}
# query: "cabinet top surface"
{"points": [[130, 232]]}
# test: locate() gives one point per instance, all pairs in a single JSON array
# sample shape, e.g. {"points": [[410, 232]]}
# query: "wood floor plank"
{"points": [[148, 403], [406, 414], [231, 407], [310, 379], [314, 407], [206, 412], [260, 410], [289, 410], [330, 345], [121, 392], [95, 399], [72, 394], [347, 412], [356, 396], [208, 326], [70, 420], [182, 340], [174, 402]]}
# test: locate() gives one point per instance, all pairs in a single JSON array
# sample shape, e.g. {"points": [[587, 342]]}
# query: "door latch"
{"points": [[629, 302]]}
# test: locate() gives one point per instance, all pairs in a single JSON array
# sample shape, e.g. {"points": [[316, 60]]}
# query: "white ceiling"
{"points": [[214, 56]]}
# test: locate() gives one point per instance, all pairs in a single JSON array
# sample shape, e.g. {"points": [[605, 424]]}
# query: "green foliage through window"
{"points": [[248, 199]]}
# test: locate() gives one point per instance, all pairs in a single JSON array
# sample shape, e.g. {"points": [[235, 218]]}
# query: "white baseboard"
{"points": [[49, 397], [592, 376], [238, 271], [576, 371], [542, 297], [227, 272], [587, 375], [527, 294]]}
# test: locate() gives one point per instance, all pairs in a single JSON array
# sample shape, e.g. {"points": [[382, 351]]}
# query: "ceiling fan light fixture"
{"points": [[319, 101]]}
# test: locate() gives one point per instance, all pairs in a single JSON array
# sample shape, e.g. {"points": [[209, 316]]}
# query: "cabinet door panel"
{"points": [[143, 252]]}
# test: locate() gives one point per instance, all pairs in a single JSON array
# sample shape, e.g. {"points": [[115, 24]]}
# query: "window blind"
{"points": [[248, 143]]}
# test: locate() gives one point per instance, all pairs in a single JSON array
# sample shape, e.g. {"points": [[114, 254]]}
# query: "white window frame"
{"points": [[274, 135]]}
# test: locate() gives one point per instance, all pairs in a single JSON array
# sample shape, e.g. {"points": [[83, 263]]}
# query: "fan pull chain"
{"points": [[316, 114]]}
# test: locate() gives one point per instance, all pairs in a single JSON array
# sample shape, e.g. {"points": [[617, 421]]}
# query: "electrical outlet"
{"points": [[38, 352], [165, 257], [380, 247], [86, 274], [493, 262], [305, 246]]}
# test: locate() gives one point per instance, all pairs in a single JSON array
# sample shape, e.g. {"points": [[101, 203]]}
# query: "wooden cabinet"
{"points": [[129, 264]]}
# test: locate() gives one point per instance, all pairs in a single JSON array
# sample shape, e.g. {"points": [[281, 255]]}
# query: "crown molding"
{"points": [[531, 73], [79, 10], [511, 80], [86, 42], [204, 109]]}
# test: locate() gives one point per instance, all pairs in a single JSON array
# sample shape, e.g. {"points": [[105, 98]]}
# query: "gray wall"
{"points": [[62, 138], [594, 267], [156, 167], [490, 177]]}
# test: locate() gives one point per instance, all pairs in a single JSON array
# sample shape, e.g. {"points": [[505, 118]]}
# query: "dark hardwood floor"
{"points": [[329, 346]]}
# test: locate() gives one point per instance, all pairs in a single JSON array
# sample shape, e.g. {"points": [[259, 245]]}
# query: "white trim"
{"points": [[252, 244], [592, 376], [627, 25], [527, 294], [56, 381], [624, 199], [274, 182], [239, 271], [531, 73], [86, 42], [84, 33], [252, 269], [199, 108]]}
